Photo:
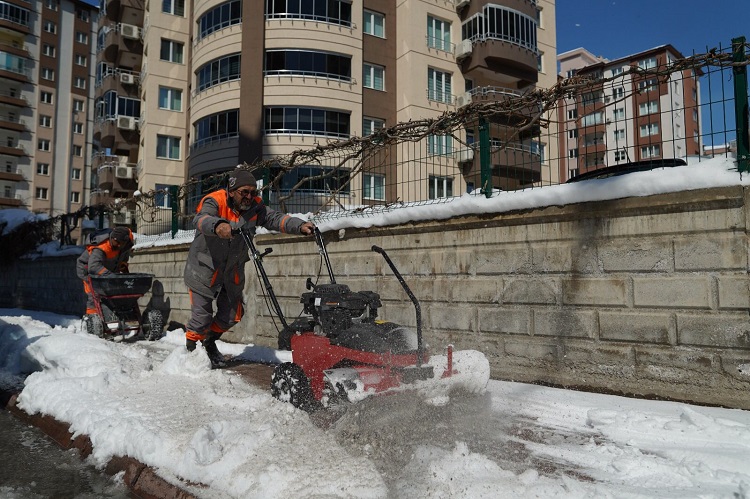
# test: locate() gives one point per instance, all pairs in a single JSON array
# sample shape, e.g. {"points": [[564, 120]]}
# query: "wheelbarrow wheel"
{"points": [[289, 384], [153, 324], [94, 325]]}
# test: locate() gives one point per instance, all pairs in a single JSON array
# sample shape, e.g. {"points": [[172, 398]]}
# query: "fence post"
{"points": [[174, 203], [484, 157], [740, 104]]}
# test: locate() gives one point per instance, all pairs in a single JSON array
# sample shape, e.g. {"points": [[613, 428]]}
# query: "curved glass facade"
{"points": [[308, 63], [329, 11], [219, 17], [217, 126], [501, 23], [306, 121], [14, 14], [218, 71]]}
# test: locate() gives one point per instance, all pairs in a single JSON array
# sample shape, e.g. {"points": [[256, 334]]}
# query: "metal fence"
{"points": [[595, 122]]}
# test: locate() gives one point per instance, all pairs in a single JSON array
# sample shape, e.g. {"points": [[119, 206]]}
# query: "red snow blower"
{"points": [[340, 350]]}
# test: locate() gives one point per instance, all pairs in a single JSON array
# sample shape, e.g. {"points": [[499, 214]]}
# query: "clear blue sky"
{"points": [[617, 28]]}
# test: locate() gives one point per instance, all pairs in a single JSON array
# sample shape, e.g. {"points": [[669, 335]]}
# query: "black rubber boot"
{"points": [[214, 355], [190, 345]]}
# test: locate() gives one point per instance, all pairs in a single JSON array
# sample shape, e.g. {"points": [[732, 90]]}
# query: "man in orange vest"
{"points": [[215, 268], [106, 255]]}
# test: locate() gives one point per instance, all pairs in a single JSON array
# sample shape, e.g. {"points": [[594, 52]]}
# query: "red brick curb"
{"points": [[142, 480]]}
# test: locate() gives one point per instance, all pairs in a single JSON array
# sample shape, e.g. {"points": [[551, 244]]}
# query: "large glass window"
{"points": [[171, 51], [438, 34], [306, 121], [439, 145], [218, 71], [174, 7], [331, 11], [220, 17], [14, 14], [315, 179], [217, 127], [370, 125], [308, 62], [440, 187], [14, 63], [373, 186], [439, 86], [501, 23]]}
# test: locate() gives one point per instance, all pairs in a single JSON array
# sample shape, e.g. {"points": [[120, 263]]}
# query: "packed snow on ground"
{"points": [[159, 404]]}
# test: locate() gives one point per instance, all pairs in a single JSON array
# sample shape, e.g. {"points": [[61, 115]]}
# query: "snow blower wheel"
{"points": [[153, 324], [289, 384]]}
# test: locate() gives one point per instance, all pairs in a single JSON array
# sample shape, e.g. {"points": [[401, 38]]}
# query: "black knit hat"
{"points": [[240, 178], [120, 234]]}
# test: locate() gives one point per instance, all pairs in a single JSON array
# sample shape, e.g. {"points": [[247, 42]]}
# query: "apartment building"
{"points": [[220, 82], [630, 118], [46, 83]]}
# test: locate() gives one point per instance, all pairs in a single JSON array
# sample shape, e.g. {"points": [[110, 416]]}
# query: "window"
{"points": [[649, 85], [43, 145], [650, 151], [650, 129], [573, 153], [502, 23], [373, 187], [167, 147], [618, 114], [540, 62], [161, 196], [374, 23], [621, 155], [313, 121], [50, 27], [372, 76], [618, 93], [217, 126], [617, 71], [315, 179], [78, 128], [440, 187], [649, 63], [51, 4], [41, 193], [329, 11], [439, 145], [620, 134], [438, 34], [48, 74], [75, 174], [648, 108], [171, 51], [75, 197], [77, 105], [82, 37], [592, 119], [369, 125], [439, 86], [79, 82], [48, 50], [83, 15], [80, 60], [572, 114], [77, 150], [572, 134], [220, 17], [45, 121], [174, 7], [170, 98], [42, 168], [304, 62], [218, 71]]}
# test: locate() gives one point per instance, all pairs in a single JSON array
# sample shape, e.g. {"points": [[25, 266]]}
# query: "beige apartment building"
{"points": [[630, 118], [46, 85], [186, 90]]}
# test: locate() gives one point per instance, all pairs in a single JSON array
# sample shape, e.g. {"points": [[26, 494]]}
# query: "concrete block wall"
{"points": [[643, 296]]}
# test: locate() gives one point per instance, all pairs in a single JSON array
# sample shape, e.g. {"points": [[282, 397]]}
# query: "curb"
{"points": [[142, 480]]}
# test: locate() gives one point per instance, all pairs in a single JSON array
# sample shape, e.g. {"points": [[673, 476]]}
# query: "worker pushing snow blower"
{"points": [[341, 351]]}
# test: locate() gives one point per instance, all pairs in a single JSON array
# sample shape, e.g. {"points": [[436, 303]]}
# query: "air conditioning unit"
{"points": [[130, 31], [122, 217], [126, 122], [461, 3], [465, 155], [463, 100], [463, 49], [127, 78], [124, 172]]}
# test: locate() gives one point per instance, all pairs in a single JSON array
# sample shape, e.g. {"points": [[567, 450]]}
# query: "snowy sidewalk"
{"points": [[163, 407]]}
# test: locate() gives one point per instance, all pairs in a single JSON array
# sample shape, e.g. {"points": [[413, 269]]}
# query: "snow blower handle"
{"points": [[417, 307], [324, 252]]}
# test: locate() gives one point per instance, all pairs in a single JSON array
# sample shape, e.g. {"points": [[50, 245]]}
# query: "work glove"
{"points": [[122, 268]]}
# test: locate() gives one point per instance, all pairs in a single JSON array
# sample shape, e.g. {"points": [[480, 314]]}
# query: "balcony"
{"points": [[13, 98], [12, 122], [492, 55], [16, 151], [14, 71], [12, 176], [10, 202], [115, 176], [117, 132]]}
